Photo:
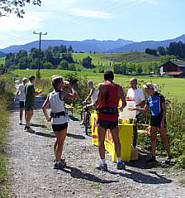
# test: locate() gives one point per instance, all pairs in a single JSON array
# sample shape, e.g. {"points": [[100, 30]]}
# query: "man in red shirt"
{"points": [[106, 105]]}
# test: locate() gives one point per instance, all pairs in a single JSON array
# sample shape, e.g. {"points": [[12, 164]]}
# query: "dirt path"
{"points": [[31, 164]]}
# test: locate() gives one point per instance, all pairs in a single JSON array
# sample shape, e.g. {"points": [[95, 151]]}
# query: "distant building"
{"points": [[173, 68]]}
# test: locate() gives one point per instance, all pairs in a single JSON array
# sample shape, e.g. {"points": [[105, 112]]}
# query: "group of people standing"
{"points": [[105, 99], [26, 94]]}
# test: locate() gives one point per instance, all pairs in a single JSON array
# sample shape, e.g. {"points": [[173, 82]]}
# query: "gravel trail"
{"points": [[31, 166]]}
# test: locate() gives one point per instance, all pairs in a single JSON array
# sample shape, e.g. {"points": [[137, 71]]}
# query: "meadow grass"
{"points": [[7, 88], [106, 59], [172, 88]]}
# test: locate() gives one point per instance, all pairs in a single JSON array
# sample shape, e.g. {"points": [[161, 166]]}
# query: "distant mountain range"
{"points": [[108, 46]]}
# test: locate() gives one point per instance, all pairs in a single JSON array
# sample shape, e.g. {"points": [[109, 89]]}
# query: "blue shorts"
{"points": [[27, 108]]}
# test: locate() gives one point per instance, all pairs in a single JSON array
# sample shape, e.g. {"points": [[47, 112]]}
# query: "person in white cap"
{"points": [[21, 97]]}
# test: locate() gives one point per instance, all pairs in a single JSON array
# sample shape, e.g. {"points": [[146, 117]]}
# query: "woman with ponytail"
{"points": [[156, 103]]}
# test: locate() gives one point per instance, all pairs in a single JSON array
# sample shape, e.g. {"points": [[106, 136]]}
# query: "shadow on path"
{"points": [[45, 134], [142, 178], [75, 136], [73, 118], [76, 173]]}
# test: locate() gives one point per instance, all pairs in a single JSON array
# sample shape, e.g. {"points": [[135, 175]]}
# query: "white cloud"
{"points": [[12, 23], [90, 13]]}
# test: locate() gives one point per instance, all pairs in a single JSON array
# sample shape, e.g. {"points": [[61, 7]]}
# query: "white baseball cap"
{"points": [[24, 79]]}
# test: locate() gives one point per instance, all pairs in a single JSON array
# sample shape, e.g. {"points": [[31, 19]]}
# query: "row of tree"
{"points": [[52, 58], [175, 48]]}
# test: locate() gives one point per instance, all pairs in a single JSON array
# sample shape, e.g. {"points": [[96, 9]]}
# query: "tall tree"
{"points": [[15, 6]]}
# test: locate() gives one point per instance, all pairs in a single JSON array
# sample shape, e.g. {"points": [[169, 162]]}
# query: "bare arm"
{"points": [[90, 94], [101, 90], [142, 103], [16, 95], [145, 109], [44, 108], [37, 93], [164, 110], [72, 95], [122, 96]]}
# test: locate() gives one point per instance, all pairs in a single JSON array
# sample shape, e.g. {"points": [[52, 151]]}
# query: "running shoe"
{"points": [[120, 165], [151, 159], [20, 123], [102, 167], [29, 129], [168, 160], [60, 165]]}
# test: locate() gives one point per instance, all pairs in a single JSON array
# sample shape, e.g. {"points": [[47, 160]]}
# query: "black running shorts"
{"points": [[21, 104], [59, 127], [156, 121], [107, 124]]}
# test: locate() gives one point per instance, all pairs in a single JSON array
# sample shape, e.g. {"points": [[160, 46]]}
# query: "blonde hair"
{"points": [[152, 86], [56, 81]]}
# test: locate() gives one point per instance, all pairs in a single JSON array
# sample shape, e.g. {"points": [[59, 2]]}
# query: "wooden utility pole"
{"points": [[40, 36]]}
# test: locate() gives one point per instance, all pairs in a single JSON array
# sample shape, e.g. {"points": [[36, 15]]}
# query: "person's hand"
{"points": [[84, 102], [120, 108], [48, 119], [14, 99], [67, 84], [162, 124]]}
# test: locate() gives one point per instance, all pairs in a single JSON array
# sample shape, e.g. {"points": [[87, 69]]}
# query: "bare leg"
{"points": [[60, 135], [115, 136], [165, 140], [154, 139], [101, 138], [21, 113], [29, 115]]}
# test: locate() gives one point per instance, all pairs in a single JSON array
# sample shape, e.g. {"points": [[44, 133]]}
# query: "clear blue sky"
{"points": [[136, 20]]}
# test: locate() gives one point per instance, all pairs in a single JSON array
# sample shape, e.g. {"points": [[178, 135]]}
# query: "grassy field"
{"points": [[106, 59], [171, 87]]}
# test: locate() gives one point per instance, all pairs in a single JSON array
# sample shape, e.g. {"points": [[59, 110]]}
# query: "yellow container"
{"points": [[125, 136]]}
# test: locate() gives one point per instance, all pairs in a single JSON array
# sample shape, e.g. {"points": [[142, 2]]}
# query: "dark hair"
{"points": [[56, 81], [109, 75], [31, 77]]}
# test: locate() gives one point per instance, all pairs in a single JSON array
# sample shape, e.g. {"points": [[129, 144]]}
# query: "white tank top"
{"points": [[57, 105], [94, 96]]}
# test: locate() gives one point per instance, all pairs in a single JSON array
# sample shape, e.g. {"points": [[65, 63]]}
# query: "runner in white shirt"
{"points": [[135, 94], [21, 97]]}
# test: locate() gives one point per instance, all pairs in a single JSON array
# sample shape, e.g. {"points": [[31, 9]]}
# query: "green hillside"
{"points": [[108, 58]]}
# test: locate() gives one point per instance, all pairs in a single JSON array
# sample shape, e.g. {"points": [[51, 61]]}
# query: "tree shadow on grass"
{"points": [[143, 178], [76, 173]]}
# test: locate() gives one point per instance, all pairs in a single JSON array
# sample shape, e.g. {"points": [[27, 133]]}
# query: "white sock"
{"points": [[103, 161], [119, 159], [58, 162]]}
